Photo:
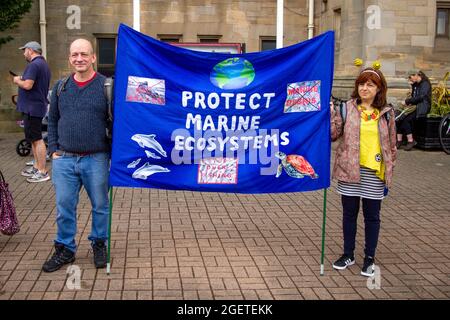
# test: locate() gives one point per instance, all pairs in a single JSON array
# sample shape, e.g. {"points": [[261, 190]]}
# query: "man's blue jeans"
{"points": [[69, 174]]}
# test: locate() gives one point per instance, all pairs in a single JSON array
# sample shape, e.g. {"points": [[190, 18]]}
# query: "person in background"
{"points": [[421, 98], [364, 163], [32, 102]]}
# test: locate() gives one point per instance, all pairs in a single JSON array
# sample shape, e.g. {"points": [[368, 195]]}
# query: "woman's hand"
{"points": [[332, 110]]}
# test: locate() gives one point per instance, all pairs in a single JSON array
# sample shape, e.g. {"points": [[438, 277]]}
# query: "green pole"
{"points": [[323, 230], [108, 264]]}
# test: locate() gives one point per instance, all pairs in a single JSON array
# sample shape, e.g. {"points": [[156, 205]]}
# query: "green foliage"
{"points": [[11, 12], [440, 98]]}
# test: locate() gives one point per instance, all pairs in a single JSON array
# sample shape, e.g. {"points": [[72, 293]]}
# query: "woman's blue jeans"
{"points": [[69, 174]]}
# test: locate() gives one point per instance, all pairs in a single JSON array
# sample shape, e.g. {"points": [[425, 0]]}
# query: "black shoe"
{"points": [[100, 254], [410, 145], [399, 144], [343, 262], [368, 268], [60, 257]]}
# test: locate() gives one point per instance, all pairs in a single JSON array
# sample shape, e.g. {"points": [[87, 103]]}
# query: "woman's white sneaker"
{"points": [[343, 262], [368, 269]]}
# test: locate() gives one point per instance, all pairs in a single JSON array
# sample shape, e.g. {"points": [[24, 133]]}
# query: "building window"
{"points": [[442, 24], [106, 54], [268, 43], [209, 38], [170, 37], [324, 6], [442, 34], [337, 28]]}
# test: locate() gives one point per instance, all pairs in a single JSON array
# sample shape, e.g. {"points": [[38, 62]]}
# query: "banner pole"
{"points": [[323, 230], [279, 23], [108, 264]]}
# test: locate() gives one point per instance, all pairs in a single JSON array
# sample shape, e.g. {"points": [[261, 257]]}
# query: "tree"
{"points": [[11, 12]]}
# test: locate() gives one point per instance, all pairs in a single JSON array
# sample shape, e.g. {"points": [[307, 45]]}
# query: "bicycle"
{"points": [[444, 133]]}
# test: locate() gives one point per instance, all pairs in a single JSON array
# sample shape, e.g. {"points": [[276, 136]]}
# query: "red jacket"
{"points": [[346, 163]]}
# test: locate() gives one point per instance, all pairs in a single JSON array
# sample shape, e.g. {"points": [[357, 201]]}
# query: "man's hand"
{"points": [[55, 156], [24, 84], [16, 79]]}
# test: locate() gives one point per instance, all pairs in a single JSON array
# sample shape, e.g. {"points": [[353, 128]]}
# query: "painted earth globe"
{"points": [[232, 73]]}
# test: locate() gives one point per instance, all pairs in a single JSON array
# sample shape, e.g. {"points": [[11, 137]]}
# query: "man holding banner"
{"points": [[80, 152]]}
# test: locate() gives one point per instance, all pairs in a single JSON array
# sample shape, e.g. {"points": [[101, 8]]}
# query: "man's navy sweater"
{"points": [[77, 118]]}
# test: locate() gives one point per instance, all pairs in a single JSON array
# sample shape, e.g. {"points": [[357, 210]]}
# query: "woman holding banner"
{"points": [[364, 162]]}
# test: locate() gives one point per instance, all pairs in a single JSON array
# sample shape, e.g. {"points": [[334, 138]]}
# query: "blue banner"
{"points": [[244, 123]]}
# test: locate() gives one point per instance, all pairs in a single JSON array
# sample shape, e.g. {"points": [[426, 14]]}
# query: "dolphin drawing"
{"points": [[134, 163], [147, 170], [151, 155], [149, 141]]}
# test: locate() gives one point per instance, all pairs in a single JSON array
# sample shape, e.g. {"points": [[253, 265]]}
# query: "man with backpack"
{"points": [[80, 151]]}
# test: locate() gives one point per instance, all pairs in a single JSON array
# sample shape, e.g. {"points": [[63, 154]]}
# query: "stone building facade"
{"points": [[401, 34]]}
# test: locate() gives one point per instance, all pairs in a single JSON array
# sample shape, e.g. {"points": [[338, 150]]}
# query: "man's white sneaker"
{"points": [[29, 172], [39, 177], [30, 163]]}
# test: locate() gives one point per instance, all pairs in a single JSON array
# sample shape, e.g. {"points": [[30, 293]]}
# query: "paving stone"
{"points": [[202, 246]]}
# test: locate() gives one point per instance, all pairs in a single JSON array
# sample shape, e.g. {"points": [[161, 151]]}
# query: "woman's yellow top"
{"points": [[370, 155]]}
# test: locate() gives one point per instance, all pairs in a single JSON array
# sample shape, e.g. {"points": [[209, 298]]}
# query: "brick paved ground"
{"points": [[187, 245]]}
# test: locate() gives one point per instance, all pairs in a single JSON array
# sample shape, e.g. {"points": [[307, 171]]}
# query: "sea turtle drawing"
{"points": [[295, 166]]}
